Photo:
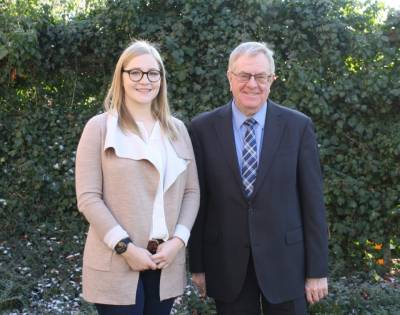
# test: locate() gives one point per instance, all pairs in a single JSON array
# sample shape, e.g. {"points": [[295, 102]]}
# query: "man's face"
{"points": [[250, 93]]}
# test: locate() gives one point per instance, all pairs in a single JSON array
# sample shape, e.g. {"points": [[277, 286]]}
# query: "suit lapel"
{"points": [[273, 131], [224, 130]]}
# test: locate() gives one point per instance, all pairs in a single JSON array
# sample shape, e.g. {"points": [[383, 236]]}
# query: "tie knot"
{"points": [[250, 122]]}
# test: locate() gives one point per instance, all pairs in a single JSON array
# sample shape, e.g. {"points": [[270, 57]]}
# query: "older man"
{"points": [[261, 234]]}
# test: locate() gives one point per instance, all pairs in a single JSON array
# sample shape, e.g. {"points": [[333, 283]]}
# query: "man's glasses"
{"points": [[136, 75], [261, 78]]}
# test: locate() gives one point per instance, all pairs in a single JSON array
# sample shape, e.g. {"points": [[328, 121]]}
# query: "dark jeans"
{"points": [[250, 298], [147, 299]]}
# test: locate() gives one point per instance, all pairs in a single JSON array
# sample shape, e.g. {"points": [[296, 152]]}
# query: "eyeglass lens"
{"points": [[137, 75], [260, 77]]}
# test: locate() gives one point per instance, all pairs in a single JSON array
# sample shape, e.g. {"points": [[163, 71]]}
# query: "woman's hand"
{"points": [[167, 251], [138, 258]]}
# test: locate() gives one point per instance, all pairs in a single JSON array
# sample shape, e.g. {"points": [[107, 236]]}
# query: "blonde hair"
{"points": [[252, 49], [115, 99]]}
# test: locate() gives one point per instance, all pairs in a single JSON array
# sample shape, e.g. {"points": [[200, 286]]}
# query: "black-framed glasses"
{"points": [[136, 75], [261, 78]]}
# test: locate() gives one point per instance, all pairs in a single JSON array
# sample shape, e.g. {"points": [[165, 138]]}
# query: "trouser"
{"points": [[251, 300], [147, 298]]}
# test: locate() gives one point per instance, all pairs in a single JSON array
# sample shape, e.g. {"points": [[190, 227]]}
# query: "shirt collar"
{"points": [[239, 118]]}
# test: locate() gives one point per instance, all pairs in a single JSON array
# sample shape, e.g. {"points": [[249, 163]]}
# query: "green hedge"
{"points": [[337, 61]]}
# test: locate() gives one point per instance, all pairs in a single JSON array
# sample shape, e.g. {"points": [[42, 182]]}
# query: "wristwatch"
{"points": [[122, 245]]}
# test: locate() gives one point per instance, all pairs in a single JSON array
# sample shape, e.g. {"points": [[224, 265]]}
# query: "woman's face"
{"points": [[143, 91]]}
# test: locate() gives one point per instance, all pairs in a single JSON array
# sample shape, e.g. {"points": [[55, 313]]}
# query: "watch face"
{"points": [[121, 247]]}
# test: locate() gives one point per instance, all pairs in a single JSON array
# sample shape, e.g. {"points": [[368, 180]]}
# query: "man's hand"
{"points": [[138, 258], [167, 251], [199, 279], [316, 289]]}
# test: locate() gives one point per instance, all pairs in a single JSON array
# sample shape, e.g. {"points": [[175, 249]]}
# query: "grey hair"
{"points": [[252, 49]]}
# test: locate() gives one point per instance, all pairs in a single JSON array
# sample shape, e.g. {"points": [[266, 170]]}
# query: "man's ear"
{"points": [[229, 76], [275, 78]]}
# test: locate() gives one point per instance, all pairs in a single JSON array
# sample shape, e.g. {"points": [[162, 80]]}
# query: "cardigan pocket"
{"points": [[97, 255], [118, 263], [180, 257]]}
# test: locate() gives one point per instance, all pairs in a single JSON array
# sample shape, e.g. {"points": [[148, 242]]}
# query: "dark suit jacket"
{"points": [[283, 225]]}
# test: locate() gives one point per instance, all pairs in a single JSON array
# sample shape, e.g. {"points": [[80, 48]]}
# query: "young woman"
{"points": [[137, 186]]}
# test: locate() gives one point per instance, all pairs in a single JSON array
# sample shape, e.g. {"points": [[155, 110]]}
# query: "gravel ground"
{"points": [[49, 282]]}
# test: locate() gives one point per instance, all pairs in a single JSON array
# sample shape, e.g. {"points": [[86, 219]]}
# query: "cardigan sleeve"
{"points": [[191, 197], [89, 179]]}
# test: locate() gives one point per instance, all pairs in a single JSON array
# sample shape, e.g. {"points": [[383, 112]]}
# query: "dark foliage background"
{"points": [[337, 61]]}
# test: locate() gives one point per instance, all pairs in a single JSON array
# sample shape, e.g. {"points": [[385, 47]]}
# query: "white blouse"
{"points": [[157, 149]]}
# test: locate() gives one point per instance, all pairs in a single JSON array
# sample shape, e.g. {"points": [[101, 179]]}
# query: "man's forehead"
{"points": [[252, 62]]}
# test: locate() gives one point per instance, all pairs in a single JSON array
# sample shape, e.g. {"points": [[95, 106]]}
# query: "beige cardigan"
{"points": [[112, 190]]}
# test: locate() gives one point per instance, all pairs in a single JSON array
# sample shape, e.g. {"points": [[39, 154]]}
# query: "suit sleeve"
{"points": [[312, 204], [196, 262]]}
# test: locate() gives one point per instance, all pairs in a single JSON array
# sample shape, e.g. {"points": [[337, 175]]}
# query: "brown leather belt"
{"points": [[152, 245]]}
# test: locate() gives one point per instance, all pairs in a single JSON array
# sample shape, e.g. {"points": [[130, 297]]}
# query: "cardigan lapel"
{"points": [[131, 146], [273, 131], [125, 144], [177, 161], [181, 148]]}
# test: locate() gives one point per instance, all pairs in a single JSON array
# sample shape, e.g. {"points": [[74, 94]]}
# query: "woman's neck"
{"points": [[141, 112]]}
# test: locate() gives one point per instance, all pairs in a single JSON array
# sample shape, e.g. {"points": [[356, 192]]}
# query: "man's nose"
{"points": [[252, 81]]}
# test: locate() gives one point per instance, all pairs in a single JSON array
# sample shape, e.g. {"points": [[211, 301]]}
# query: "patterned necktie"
{"points": [[249, 157]]}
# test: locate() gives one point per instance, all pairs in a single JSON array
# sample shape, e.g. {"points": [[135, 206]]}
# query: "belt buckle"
{"points": [[153, 245]]}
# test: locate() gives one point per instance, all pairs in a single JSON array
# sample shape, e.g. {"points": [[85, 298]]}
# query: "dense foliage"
{"points": [[337, 61]]}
